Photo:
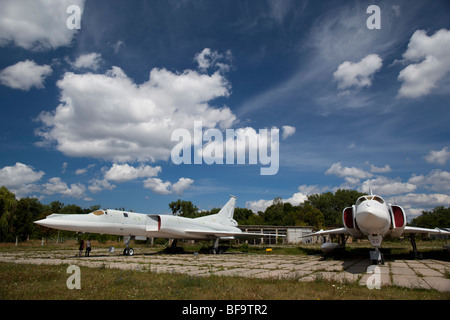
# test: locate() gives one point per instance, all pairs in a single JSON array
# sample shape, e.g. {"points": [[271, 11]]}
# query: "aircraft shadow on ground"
{"points": [[390, 254]]}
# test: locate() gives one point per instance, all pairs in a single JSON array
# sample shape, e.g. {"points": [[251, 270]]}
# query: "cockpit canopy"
{"points": [[365, 198]]}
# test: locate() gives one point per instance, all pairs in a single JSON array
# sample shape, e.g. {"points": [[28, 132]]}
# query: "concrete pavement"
{"points": [[426, 274]]}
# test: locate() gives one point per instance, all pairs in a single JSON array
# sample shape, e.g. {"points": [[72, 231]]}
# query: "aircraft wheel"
{"points": [[128, 251]]}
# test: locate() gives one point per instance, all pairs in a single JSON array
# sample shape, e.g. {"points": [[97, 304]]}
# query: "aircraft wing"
{"points": [[325, 232], [425, 230], [226, 234]]}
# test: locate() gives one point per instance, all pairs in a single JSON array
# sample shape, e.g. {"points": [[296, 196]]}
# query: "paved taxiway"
{"points": [[426, 274]]}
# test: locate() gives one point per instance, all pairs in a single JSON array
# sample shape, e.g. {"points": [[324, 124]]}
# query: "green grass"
{"points": [[49, 282], [22, 281]]}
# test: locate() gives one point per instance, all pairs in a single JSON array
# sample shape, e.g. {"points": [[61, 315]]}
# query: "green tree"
{"points": [[331, 205], [71, 209], [438, 217], [243, 215], [8, 205], [184, 209], [274, 214]]}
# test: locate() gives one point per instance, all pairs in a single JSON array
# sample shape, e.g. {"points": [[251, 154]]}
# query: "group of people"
{"points": [[88, 248]]}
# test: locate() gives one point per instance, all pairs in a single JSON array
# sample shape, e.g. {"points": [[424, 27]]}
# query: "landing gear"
{"points": [[128, 251], [416, 254], [215, 249], [376, 256]]}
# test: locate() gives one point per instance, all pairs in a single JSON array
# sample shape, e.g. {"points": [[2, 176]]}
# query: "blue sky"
{"points": [[88, 113]]}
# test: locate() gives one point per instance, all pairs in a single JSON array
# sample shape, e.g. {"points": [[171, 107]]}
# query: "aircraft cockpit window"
{"points": [[361, 200], [378, 199], [125, 215], [98, 212]]}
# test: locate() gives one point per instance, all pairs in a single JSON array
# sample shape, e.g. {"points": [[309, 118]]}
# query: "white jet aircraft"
{"points": [[371, 217], [142, 226]]}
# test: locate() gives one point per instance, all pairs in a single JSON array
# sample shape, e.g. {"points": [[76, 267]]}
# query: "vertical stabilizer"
{"points": [[225, 215], [228, 209]]}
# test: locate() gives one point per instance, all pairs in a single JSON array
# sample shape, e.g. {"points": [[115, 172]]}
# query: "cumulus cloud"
{"points": [[384, 169], [36, 24], [210, 58], [436, 180], [438, 156], [157, 185], [357, 74], [24, 75], [287, 132], [296, 199], [20, 179], [161, 187], [108, 116], [87, 61], [387, 186], [423, 200], [428, 56], [348, 172], [97, 185], [56, 185], [261, 205], [125, 172]]}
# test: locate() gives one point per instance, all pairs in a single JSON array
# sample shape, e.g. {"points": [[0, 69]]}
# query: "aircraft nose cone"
{"points": [[41, 222], [371, 217]]}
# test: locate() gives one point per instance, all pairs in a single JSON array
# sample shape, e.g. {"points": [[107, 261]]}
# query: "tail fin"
{"points": [[228, 209], [224, 215]]}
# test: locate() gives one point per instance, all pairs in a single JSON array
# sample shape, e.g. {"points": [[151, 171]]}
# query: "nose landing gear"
{"points": [[376, 256]]}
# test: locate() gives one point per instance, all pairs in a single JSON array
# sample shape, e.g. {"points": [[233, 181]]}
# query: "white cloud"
{"points": [[84, 170], [384, 169], [56, 185], [20, 178], [258, 205], [97, 185], [24, 75], [108, 116], [161, 187], [347, 172], [116, 46], [439, 157], [429, 63], [181, 185], [210, 58], [125, 172], [87, 61], [36, 24], [357, 74], [436, 180], [287, 132], [157, 185], [261, 205], [387, 186], [297, 198], [423, 200]]}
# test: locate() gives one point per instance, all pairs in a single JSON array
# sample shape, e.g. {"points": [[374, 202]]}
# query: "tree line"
{"points": [[320, 211]]}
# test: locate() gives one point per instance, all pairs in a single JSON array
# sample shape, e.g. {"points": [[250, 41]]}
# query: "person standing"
{"points": [[88, 248], [81, 248]]}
